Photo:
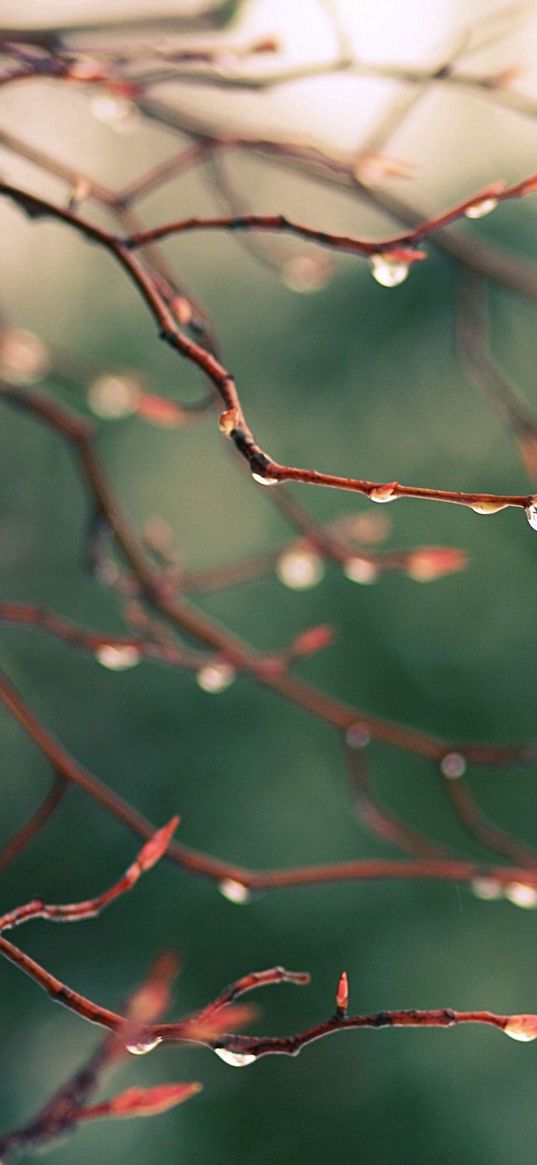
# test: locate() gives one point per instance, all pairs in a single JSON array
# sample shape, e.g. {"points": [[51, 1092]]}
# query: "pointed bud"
{"points": [[431, 562], [157, 845], [141, 1101], [342, 995]]}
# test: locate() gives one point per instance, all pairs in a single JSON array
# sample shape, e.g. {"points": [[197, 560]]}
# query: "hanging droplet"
{"points": [[114, 396], [215, 677], [236, 1059], [480, 209], [384, 493], [488, 507], [228, 421], [488, 889], [300, 569], [234, 891], [258, 477], [520, 894], [307, 273], [388, 272], [531, 514], [357, 736], [453, 765], [522, 1027], [143, 1046], [118, 657], [24, 358], [359, 570]]}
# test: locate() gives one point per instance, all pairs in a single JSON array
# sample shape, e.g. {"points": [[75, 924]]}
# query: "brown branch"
{"points": [[396, 245], [210, 634], [31, 828], [232, 421], [226, 872]]}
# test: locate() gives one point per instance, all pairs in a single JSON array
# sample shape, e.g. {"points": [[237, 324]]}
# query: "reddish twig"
{"points": [[31, 828]]}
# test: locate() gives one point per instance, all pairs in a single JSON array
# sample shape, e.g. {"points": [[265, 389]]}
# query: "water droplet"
{"points": [[228, 421], [359, 570], [357, 736], [118, 657], [236, 1059], [215, 677], [143, 1046], [234, 891], [388, 272], [531, 514], [480, 209], [258, 477], [522, 1027], [488, 507], [117, 112], [300, 569], [307, 273], [24, 358], [383, 493], [113, 396], [488, 889], [520, 894], [453, 765]]}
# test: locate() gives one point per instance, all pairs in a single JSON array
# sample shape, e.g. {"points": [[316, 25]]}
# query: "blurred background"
{"points": [[348, 376]]}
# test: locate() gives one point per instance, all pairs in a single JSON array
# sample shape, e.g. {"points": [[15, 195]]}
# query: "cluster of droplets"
{"points": [[518, 893]]}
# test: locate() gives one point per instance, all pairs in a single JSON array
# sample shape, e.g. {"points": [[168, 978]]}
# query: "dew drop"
{"points": [[357, 736], [359, 570], [215, 677], [234, 891], [24, 358], [531, 514], [117, 112], [488, 889], [112, 397], [300, 569], [383, 493], [118, 657], [143, 1046], [480, 209], [307, 273], [388, 272], [258, 477], [236, 1059], [522, 1027], [453, 765], [228, 421], [488, 507], [520, 894]]}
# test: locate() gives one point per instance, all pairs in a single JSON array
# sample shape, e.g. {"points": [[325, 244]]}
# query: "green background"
{"points": [[353, 379]]}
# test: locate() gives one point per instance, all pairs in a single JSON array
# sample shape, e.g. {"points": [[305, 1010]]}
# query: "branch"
{"points": [[232, 422]]}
